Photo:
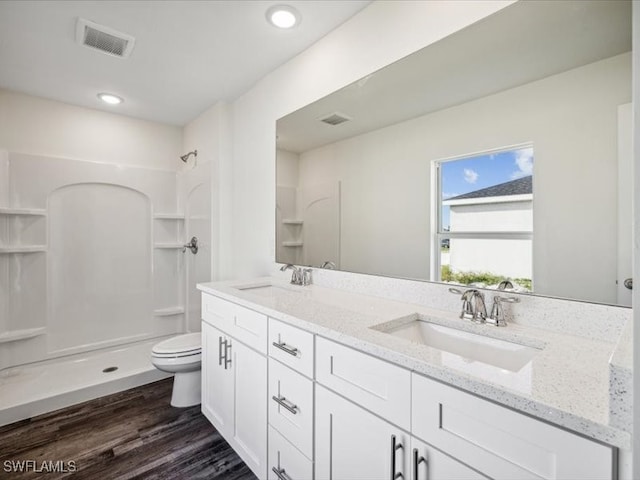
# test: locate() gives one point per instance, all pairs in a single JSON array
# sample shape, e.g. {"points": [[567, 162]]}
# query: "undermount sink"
{"points": [[470, 346], [265, 289]]}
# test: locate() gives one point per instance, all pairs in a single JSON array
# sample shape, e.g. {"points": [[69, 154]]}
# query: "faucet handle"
{"points": [[497, 311]]}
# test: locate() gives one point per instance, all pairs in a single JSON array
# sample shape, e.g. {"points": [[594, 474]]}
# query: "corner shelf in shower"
{"points": [[24, 334], [169, 311], [292, 221], [168, 216], [23, 249], [292, 244], [40, 212], [168, 245]]}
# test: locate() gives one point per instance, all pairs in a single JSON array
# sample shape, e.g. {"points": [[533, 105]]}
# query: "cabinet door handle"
{"points": [[220, 354], [286, 348], [227, 356], [417, 460], [280, 473], [282, 401], [394, 447]]}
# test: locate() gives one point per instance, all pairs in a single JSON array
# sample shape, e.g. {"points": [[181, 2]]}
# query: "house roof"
{"points": [[521, 186]]}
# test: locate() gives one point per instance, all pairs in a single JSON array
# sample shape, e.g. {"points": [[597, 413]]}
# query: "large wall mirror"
{"points": [[379, 177]]}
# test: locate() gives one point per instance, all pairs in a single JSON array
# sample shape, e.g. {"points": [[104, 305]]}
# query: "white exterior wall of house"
{"points": [[509, 257]]}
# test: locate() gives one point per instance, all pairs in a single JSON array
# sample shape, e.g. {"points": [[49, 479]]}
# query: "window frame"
{"points": [[437, 232]]}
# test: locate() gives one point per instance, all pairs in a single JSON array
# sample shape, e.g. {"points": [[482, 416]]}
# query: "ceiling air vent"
{"points": [[335, 118], [105, 39]]}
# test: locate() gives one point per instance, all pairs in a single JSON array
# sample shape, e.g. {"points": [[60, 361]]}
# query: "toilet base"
{"points": [[186, 389]]}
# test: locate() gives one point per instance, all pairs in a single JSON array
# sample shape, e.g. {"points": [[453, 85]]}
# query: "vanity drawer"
{"points": [[379, 386], [242, 323], [291, 406], [291, 346], [287, 459], [499, 442]]}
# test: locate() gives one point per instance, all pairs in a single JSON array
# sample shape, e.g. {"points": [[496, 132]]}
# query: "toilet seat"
{"points": [[181, 346]]}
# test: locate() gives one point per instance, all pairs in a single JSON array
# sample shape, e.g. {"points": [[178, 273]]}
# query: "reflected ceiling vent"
{"points": [[105, 39], [335, 118]]}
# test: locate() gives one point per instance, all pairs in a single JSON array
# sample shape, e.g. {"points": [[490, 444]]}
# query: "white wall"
{"points": [[199, 192], [45, 127], [636, 233], [380, 34]]}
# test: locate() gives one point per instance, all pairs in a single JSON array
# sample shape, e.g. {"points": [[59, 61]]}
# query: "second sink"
{"points": [[471, 346]]}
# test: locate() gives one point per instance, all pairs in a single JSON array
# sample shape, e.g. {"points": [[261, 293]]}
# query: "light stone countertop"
{"points": [[566, 383]]}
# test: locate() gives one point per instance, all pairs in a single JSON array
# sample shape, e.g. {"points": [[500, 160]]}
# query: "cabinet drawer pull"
{"points": [[220, 354], [286, 348], [282, 401], [394, 447], [227, 356], [417, 460], [280, 473]]}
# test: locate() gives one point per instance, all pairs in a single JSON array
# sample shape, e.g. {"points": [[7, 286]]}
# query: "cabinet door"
{"points": [[250, 433], [427, 463], [217, 381], [353, 444]]}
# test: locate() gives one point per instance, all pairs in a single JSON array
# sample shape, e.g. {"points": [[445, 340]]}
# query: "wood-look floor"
{"points": [[134, 434]]}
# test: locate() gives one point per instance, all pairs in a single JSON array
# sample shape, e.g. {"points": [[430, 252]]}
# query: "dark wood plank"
{"points": [[134, 434]]}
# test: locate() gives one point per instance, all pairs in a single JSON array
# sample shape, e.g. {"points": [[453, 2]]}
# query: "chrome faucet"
{"points": [[497, 317], [299, 276], [473, 307], [296, 274]]}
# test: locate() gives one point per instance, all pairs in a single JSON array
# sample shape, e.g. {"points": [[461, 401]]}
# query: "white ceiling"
{"points": [[188, 54], [524, 42]]}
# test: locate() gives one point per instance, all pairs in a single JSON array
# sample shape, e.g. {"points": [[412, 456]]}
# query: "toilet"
{"points": [[181, 356]]}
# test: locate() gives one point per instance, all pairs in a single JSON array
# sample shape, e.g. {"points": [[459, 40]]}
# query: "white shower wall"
{"points": [[90, 254]]}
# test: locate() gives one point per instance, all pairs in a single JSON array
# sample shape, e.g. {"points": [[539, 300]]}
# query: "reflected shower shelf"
{"points": [[168, 245], [169, 216], [291, 244], [15, 335], [24, 249], [292, 221], [23, 211], [169, 311]]}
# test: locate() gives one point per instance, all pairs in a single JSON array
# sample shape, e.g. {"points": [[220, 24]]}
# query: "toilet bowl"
{"points": [[181, 356]]}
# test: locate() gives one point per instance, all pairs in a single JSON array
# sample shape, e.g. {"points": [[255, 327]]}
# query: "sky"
{"points": [[475, 173]]}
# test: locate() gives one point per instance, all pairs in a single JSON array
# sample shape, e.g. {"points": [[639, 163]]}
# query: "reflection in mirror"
{"points": [[485, 223], [359, 172]]}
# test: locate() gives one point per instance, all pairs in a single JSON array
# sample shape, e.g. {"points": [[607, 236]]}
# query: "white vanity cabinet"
{"points": [[353, 444], [500, 442], [451, 434], [234, 378]]}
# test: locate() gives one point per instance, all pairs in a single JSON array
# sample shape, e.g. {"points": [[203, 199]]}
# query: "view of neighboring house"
{"points": [[502, 218]]}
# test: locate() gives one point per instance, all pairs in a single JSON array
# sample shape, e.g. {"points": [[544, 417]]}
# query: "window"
{"points": [[484, 212]]}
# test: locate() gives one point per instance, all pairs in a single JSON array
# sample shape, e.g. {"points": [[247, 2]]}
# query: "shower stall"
{"points": [[93, 272]]}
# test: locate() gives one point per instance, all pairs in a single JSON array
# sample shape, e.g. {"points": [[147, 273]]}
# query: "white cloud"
{"points": [[446, 195], [524, 162], [470, 176]]}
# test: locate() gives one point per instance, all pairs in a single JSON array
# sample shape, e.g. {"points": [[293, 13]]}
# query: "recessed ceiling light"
{"points": [[110, 98], [283, 16]]}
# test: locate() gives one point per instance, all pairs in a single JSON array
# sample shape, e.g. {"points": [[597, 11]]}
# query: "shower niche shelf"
{"points": [[23, 249], [23, 230], [292, 221], [292, 244], [169, 245], [168, 311], [168, 216], [37, 212], [24, 334]]}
